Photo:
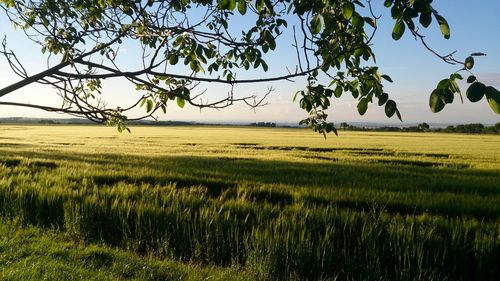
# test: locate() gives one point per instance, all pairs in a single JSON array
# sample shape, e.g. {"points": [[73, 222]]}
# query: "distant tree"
{"points": [[333, 50], [423, 127], [263, 124], [411, 129], [490, 130], [344, 125], [449, 129], [389, 129], [460, 129], [469, 128], [46, 121], [474, 128]]}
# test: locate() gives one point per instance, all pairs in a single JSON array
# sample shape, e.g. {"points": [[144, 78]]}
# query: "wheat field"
{"points": [[225, 203]]}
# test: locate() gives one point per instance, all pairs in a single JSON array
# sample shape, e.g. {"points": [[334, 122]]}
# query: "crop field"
{"points": [[231, 203]]}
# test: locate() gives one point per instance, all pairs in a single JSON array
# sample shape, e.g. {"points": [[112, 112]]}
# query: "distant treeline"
{"points": [[81, 121], [474, 128], [263, 124]]}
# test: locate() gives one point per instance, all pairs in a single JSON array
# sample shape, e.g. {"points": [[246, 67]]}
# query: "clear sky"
{"points": [[475, 27]]}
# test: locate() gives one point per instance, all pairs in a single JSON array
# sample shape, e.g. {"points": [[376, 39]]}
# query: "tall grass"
{"points": [[291, 241], [279, 218]]}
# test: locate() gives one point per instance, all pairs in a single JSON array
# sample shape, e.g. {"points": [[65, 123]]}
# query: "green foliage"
{"points": [[436, 102], [493, 97], [383, 99], [443, 94], [362, 106], [316, 24], [337, 35], [398, 30], [474, 128], [390, 109], [469, 62], [443, 25], [476, 91], [181, 102]]}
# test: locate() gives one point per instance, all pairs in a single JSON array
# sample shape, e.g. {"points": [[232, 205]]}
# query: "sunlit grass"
{"points": [[278, 203]]}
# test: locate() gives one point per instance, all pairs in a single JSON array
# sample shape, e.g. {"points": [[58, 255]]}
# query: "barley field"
{"points": [[240, 203]]}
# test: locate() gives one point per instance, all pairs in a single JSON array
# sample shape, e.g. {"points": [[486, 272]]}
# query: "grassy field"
{"points": [[195, 203]]}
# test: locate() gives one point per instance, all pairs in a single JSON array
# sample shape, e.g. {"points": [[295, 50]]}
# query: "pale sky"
{"points": [[475, 27]]}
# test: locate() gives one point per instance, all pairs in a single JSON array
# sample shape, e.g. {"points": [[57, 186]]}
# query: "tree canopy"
{"points": [[188, 43]]}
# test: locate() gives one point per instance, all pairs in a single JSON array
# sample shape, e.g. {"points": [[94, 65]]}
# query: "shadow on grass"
{"points": [[214, 171]]}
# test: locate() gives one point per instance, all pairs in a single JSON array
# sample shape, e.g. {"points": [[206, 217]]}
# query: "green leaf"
{"points": [[453, 87], [425, 19], [222, 4], [370, 21], [281, 22], [256, 64], [476, 91], [296, 94], [493, 97], [469, 62], [383, 99], [264, 65], [420, 5], [272, 43], [398, 114], [181, 102], [387, 77], [265, 48], [347, 10], [443, 25], [316, 24], [338, 92], [149, 105], [231, 5], [242, 7], [390, 108], [396, 12], [259, 4], [448, 96], [194, 65], [355, 93], [328, 93], [455, 76], [398, 30], [443, 84], [387, 3], [173, 59], [362, 106], [357, 20], [357, 2], [471, 79], [436, 103]]}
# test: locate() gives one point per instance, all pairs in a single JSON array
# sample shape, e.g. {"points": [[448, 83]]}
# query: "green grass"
{"points": [[32, 254], [261, 203]]}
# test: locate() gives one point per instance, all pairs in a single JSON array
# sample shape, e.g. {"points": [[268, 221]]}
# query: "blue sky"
{"points": [[475, 27]]}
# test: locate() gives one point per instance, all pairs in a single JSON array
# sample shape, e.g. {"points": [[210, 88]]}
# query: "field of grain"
{"points": [[250, 203]]}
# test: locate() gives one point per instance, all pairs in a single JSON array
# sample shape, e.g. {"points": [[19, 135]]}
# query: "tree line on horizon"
{"points": [[472, 128]]}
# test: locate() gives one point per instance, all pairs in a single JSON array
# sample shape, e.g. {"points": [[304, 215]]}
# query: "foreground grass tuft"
{"points": [[33, 254]]}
